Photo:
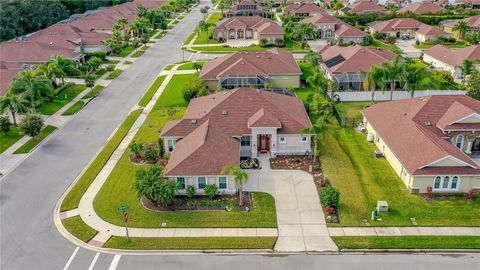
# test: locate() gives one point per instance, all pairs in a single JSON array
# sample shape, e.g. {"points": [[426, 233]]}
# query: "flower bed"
{"points": [[202, 203]]}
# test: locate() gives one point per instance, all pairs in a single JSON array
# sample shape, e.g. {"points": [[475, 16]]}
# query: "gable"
{"points": [[448, 161], [473, 118]]}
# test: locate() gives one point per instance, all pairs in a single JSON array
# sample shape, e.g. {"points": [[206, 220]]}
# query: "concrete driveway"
{"points": [[301, 223], [408, 48]]}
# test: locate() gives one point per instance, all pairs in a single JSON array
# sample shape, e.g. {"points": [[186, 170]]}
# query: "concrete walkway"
{"points": [[301, 223], [404, 231]]}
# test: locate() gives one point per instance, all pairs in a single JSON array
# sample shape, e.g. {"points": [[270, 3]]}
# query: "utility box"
{"points": [[382, 206]]}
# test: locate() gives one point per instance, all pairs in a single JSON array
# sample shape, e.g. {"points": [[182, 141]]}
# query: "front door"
{"points": [[263, 143]]}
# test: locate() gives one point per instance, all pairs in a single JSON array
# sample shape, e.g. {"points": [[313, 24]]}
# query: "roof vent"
{"points": [[224, 112], [427, 123], [194, 121]]}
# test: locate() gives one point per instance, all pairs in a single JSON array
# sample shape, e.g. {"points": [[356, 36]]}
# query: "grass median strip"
{"points": [[151, 91], [73, 197], [114, 74], [74, 108], [79, 229], [407, 242], [28, 146], [95, 90], [61, 99], [191, 243]]}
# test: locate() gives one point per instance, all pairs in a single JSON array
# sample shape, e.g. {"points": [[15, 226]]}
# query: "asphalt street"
{"points": [[29, 193]]}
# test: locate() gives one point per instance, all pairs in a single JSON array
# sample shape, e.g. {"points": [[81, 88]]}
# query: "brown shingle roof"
{"points": [[262, 25], [422, 8], [399, 23], [342, 29], [303, 8], [420, 142], [269, 62], [429, 30], [453, 56], [365, 6], [473, 22]]}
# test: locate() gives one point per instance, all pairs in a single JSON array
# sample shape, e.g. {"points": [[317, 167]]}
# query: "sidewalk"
{"points": [[404, 231]]}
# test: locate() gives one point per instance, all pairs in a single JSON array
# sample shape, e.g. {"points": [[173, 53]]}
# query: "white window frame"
{"points": [[450, 179], [282, 140], [198, 182], [184, 182], [172, 141], [226, 183], [302, 139], [461, 137]]}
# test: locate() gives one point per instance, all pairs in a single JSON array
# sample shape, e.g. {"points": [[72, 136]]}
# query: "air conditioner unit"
{"points": [[370, 137], [378, 154]]}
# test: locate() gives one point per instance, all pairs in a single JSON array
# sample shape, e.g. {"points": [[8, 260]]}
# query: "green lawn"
{"points": [[127, 62], [9, 138], [189, 66], [61, 99], [379, 44], [348, 163], [172, 95], [202, 37], [100, 72], [138, 53], [169, 67], [28, 146], [126, 51], [307, 71], [113, 62], [94, 91], [74, 108], [79, 229], [191, 243], [73, 197], [114, 74], [151, 91], [352, 109], [458, 44], [407, 242]]}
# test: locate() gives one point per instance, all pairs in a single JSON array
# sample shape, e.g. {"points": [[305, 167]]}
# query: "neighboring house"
{"points": [[275, 67], [347, 65], [474, 4], [431, 142], [223, 128], [303, 10], [253, 28], [330, 27], [451, 59], [393, 3], [422, 8], [362, 7], [473, 23], [329, 3], [246, 8], [410, 27]]}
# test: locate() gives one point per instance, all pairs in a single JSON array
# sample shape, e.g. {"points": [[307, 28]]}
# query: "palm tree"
{"points": [[414, 77], [14, 104], [374, 79], [462, 28], [318, 81], [392, 73], [204, 27], [303, 31], [52, 71], [318, 131], [148, 183], [240, 178], [68, 66], [467, 68], [197, 66], [31, 86], [313, 59]]}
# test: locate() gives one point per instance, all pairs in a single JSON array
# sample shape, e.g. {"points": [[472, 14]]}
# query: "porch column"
{"points": [[469, 148], [273, 144], [254, 144]]}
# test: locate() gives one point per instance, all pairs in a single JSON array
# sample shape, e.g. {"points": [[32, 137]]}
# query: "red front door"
{"points": [[263, 143]]}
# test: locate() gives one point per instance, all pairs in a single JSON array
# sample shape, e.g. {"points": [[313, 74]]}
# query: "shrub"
{"points": [[279, 42], [136, 148], [32, 124], [211, 190], [390, 39], [161, 148], [193, 88], [166, 156], [368, 40], [190, 191], [263, 42], [5, 124], [330, 197], [378, 35], [100, 54], [151, 152]]}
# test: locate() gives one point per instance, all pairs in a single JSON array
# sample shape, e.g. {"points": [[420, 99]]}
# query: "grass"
{"points": [[61, 99], [10, 138], [169, 67], [458, 44], [28, 146], [79, 229], [100, 72], [95, 90], [188, 66], [352, 109], [74, 108], [172, 95], [307, 71], [348, 163], [379, 44], [73, 197], [127, 62], [114, 62], [407, 242], [151, 91], [126, 51], [190, 37], [202, 37], [191, 243], [114, 74], [138, 53]]}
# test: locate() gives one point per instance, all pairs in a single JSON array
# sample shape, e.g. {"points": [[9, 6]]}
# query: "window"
{"points": [[446, 183], [459, 142], [222, 182], [282, 140], [181, 182], [436, 183], [245, 141], [304, 139], [446, 180], [454, 183], [171, 145], [202, 181]]}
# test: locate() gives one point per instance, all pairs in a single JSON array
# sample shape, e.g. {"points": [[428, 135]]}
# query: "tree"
{"points": [[467, 68], [52, 71], [211, 191], [151, 184], [240, 177], [304, 31], [204, 11], [374, 80], [14, 104], [473, 85], [32, 124], [462, 28], [313, 59], [90, 80], [194, 88], [31, 86], [142, 11], [93, 63], [197, 66], [414, 77], [204, 27], [318, 81], [68, 66], [392, 73], [317, 130], [5, 123]]}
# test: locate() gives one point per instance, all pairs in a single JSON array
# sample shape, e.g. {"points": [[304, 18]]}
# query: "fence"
{"points": [[397, 95]]}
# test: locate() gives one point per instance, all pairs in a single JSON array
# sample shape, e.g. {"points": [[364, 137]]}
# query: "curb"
{"points": [[410, 251]]}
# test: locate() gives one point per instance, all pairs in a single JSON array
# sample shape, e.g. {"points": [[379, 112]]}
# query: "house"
{"points": [[223, 128], [431, 142], [330, 27], [407, 27], [451, 59], [303, 10], [473, 4], [473, 23], [422, 8], [252, 28], [328, 4], [347, 65], [246, 8], [274, 67], [362, 7]]}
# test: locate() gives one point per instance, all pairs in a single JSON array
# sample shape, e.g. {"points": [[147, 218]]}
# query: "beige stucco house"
{"points": [[432, 143], [253, 28]]}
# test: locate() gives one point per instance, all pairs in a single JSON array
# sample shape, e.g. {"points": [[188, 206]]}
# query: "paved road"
{"points": [[29, 240]]}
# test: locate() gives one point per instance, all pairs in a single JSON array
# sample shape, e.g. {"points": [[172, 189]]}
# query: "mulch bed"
{"points": [[142, 161], [181, 203]]}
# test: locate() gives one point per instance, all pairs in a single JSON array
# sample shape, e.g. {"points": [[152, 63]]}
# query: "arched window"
{"points": [[446, 181], [436, 182], [454, 184], [459, 141]]}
